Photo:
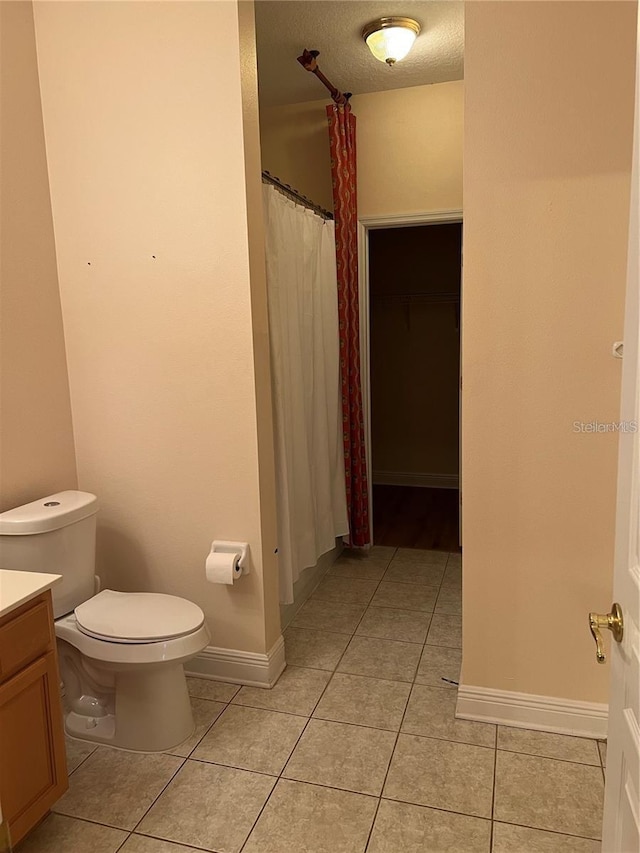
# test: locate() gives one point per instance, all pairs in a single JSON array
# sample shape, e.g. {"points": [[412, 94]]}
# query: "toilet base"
{"points": [[144, 709]]}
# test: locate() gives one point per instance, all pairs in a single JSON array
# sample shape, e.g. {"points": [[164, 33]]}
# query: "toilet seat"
{"points": [[137, 617], [117, 654]]}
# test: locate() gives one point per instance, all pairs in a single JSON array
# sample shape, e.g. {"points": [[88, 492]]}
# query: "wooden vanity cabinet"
{"points": [[33, 772]]}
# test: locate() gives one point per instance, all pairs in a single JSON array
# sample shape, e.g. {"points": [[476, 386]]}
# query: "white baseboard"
{"points": [[239, 667], [529, 711], [402, 478]]}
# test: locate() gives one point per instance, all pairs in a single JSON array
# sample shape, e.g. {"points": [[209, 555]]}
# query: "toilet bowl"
{"points": [[121, 654], [121, 662]]}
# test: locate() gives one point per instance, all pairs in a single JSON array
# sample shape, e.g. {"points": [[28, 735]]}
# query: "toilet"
{"points": [[121, 654]]}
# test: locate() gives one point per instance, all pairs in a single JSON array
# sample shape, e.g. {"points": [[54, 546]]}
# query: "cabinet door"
{"points": [[32, 753]]}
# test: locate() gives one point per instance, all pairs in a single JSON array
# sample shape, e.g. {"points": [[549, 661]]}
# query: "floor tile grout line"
{"points": [[209, 699], [180, 843], [602, 764], [214, 681], [92, 821], [147, 834], [386, 569], [259, 815], [370, 603], [391, 756], [266, 710], [183, 761], [335, 669], [439, 686], [395, 731], [394, 639], [546, 757], [210, 762], [435, 809], [426, 642], [493, 787], [309, 718], [298, 782], [432, 613], [383, 639], [84, 820], [71, 772], [361, 725], [424, 648], [353, 634], [424, 645], [413, 682], [129, 834], [319, 630], [431, 737], [552, 831], [330, 787], [293, 748], [383, 579], [275, 710], [357, 625], [333, 788], [410, 684], [333, 601], [185, 757], [346, 791], [204, 734]]}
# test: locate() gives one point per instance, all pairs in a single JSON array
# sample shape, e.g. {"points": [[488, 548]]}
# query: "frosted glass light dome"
{"points": [[391, 39]]}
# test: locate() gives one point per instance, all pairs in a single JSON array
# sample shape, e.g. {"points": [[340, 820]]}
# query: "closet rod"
{"points": [[419, 297], [296, 196]]}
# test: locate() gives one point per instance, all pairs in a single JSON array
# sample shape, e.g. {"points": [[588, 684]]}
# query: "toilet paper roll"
{"points": [[222, 567]]}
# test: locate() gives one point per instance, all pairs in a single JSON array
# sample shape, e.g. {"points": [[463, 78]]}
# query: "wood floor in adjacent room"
{"points": [[416, 517]]}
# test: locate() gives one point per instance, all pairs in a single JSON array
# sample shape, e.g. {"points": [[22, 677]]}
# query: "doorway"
{"points": [[411, 343]]}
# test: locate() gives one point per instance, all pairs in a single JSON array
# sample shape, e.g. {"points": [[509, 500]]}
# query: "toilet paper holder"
{"points": [[224, 546]]}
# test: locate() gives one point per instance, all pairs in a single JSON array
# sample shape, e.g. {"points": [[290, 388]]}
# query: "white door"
{"points": [[621, 828]]}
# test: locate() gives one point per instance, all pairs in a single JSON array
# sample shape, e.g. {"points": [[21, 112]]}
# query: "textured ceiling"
{"points": [[334, 27]]}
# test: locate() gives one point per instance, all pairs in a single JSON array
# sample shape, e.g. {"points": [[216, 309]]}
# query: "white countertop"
{"points": [[18, 587]]}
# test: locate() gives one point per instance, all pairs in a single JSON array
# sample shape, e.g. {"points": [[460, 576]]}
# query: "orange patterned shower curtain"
{"points": [[342, 134]]}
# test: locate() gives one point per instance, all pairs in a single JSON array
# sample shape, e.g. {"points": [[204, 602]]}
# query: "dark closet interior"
{"points": [[414, 297]]}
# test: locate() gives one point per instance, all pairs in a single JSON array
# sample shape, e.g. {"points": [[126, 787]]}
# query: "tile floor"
{"points": [[356, 748]]}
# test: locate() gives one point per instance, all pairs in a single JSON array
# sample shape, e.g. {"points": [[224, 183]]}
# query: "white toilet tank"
{"points": [[56, 534]]}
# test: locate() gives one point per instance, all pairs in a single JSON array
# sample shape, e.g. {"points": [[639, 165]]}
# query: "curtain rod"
{"points": [[308, 62], [268, 178]]}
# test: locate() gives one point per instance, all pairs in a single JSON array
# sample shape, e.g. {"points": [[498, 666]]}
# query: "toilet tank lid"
{"points": [[46, 514]]}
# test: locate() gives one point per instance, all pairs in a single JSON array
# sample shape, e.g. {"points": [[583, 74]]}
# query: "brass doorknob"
{"points": [[612, 621]]}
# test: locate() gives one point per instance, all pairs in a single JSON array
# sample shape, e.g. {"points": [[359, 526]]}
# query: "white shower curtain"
{"points": [[303, 323]]}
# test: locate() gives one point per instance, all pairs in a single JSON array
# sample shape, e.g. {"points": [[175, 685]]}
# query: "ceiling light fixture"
{"points": [[391, 39]]}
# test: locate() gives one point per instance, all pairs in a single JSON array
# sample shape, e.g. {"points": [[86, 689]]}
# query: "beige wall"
{"points": [[409, 147], [36, 438], [548, 125], [143, 116], [295, 147], [259, 318]]}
